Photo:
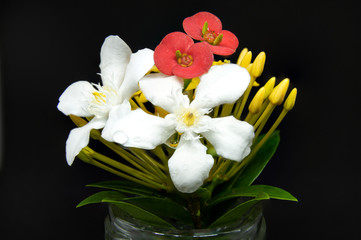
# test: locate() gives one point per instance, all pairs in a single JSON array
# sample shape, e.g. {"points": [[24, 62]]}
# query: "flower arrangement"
{"points": [[172, 117]]}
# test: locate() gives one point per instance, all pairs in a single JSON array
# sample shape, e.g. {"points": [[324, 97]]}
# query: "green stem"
{"points": [[86, 158]]}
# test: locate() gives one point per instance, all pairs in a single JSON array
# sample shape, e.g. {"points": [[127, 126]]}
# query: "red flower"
{"points": [[178, 55], [205, 26]]}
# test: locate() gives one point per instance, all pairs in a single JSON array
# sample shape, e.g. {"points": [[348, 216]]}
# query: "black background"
{"points": [[47, 46]]}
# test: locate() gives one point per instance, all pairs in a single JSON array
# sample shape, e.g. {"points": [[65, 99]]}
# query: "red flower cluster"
{"points": [[178, 55]]}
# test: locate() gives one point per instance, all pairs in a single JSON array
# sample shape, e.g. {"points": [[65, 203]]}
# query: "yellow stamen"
{"points": [[188, 119], [100, 97]]}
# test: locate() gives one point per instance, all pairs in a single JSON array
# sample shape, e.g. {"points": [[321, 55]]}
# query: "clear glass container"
{"points": [[119, 226]]}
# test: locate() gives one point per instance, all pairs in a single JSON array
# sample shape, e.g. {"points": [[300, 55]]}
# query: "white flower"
{"points": [[120, 71], [190, 164]]}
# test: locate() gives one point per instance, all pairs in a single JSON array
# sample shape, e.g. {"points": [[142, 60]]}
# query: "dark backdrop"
{"points": [[47, 46]]}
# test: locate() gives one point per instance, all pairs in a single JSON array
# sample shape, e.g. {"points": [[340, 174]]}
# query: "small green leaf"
{"points": [[250, 173], [236, 213], [99, 197], [252, 191], [204, 28], [143, 215], [125, 187], [162, 207]]}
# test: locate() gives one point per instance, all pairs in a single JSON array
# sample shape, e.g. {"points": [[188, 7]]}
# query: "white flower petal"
{"points": [[76, 99], [116, 113], [114, 58], [79, 138], [139, 129], [230, 137], [190, 165], [140, 63], [222, 84], [162, 90]]}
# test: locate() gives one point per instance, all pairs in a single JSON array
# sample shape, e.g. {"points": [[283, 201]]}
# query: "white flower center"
{"points": [[104, 98]]}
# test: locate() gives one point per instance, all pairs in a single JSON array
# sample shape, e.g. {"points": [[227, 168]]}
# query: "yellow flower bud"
{"points": [[257, 101], [270, 84], [142, 98], [291, 99], [278, 94], [241, 55], [246, 60], [193, 84], [249, 68], [258, 64]]}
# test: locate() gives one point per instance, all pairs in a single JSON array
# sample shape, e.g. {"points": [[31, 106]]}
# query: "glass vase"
{"points": [[120, 226]]}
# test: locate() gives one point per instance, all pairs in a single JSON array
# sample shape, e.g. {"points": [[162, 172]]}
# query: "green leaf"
{"points": [[142, 215], [236, 213], [99, 197], [253, 191], [125, 187], [250, 173], [162, 207]]}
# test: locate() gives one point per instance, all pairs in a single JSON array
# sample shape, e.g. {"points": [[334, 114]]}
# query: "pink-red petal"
{"points": [[227, 46], [202, 61], [164, 53], [193, 25]]}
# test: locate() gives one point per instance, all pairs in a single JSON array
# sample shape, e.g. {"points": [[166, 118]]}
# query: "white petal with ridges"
{"points": [[163, 90], [114, 58], [139, 129], [76, 99], [140, 63], [230, 137], [222, 84], [190, 165], [79, 138]]}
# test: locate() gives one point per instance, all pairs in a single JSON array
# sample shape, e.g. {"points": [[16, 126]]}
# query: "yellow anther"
{"points": [[270, 84], [278, 94], [241, 55], [246, 60], [193, 84], [258, 64], [100, 97], [290, 100], [188, 119], [257, 101]]}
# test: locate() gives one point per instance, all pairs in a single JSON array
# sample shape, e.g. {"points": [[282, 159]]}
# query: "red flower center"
{"points": [[210, 36], [184, 59]]}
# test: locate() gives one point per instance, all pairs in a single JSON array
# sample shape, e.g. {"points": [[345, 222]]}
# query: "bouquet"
{"points": [[185, 132]]}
